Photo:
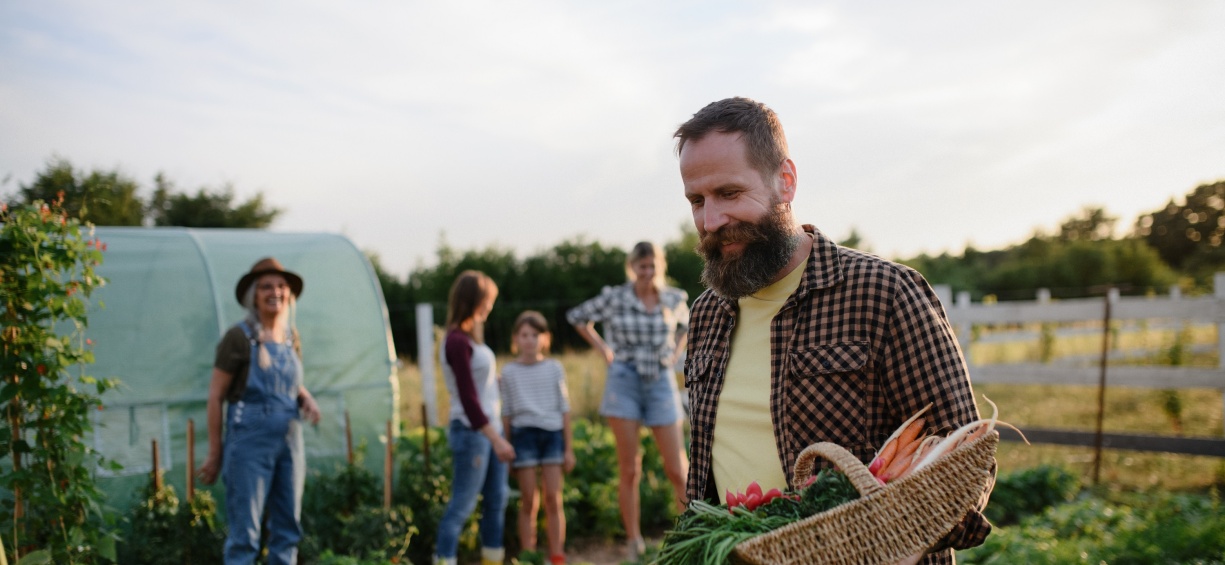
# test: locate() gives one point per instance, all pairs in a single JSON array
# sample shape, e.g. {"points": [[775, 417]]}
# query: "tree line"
{"points": [[111, 198], [1178, 243]]}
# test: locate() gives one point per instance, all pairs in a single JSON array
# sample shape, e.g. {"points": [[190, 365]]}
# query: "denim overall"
{"points": [[264, 463]]}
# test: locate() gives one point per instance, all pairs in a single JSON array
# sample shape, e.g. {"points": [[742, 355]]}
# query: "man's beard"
{"points": [[769, 244]]}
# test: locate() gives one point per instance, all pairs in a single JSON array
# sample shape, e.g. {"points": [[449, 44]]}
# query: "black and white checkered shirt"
{"points": [[644, 338], [861, 345]]}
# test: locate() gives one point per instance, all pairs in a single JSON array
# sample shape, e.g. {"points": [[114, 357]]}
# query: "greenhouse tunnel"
{"points": [[169, 297]]}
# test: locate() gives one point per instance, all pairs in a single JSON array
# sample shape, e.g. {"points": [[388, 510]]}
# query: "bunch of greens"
{"points": [[706, 533]]}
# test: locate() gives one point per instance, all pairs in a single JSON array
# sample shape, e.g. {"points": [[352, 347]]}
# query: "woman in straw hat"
{"points": [[258, 371]]}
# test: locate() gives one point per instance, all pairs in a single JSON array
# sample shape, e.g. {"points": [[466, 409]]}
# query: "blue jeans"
{"points": [[263, 467], [476, 471]]}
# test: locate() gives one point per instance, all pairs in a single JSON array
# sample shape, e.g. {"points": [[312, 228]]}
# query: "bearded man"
{"points": [[799, 340]]}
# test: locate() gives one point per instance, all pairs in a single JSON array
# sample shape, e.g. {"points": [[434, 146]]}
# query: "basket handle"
{"points": [[859, 475]]}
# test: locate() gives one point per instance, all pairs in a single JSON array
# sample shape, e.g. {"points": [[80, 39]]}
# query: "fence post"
{"points": [[425, 360], [1218, 291], [964, 329], [1111, 296]]}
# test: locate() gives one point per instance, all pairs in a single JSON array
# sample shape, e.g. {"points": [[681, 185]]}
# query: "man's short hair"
{"points": [[758, 125]]}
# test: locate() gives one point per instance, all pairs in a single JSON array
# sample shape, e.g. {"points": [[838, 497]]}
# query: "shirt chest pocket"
{"points": [[827, 397]]}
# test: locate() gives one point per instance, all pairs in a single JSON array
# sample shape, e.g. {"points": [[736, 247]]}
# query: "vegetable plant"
{"points": [[52, 506]]}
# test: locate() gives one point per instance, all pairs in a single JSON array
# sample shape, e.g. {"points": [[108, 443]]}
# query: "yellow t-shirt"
{"points": [[744, 448]]}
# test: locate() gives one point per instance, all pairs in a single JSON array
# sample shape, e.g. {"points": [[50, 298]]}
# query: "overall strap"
{"points": [[248, 331]]}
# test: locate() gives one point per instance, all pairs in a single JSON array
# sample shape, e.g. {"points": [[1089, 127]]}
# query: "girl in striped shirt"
{"points": [[536, 418]]}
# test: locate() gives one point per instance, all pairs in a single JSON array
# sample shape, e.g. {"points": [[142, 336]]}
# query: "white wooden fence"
{"points": [[1194, 310]]}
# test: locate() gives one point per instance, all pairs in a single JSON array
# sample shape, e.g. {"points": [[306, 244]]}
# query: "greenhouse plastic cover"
{"points": [[168, 299]]}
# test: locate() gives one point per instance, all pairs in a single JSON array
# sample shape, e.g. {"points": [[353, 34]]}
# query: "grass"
{"points": [[1191, 412]]}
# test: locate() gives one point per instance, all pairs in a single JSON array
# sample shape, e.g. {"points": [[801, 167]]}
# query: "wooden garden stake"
{"points": [[389, 453], [348, 440], [191, 458], [425, 424], [157, 472]]}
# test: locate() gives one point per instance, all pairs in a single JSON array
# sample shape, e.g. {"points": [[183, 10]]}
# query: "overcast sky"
{"points": [[926, 126]]}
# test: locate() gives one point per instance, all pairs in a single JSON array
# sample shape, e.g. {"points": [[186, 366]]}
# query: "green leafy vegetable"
{"points": [[706, 533]]}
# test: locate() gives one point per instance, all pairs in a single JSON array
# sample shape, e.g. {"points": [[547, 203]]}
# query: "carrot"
{"points": [[926, 445], [902, 427], [911, 432], [883, 459], [900, 461], [888, 450]]}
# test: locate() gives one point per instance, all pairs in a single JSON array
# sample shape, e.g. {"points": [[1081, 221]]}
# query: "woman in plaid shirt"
{"points": [[644, 323]]}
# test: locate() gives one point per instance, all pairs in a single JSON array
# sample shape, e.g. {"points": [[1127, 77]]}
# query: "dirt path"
{"points": [[602, 553]]}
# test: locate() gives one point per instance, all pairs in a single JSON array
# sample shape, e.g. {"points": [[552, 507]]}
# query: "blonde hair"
{"points": [[290, 315], [537, 322], [642, 250]]}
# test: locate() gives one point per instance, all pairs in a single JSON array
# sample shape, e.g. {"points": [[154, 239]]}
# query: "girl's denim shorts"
{"points": [[626, 395], [535, 447]]}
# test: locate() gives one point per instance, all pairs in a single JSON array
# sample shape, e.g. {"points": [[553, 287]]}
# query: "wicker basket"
{"points": [[886, 523]]}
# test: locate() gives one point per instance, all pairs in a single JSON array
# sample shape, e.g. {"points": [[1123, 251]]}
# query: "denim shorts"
{"points": [[626, 395], [535, 447]]}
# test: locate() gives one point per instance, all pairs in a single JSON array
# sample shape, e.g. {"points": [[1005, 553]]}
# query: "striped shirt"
{"points": [[535, 395], [644, 338]]}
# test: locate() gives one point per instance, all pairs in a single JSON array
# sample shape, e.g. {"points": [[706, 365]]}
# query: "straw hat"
{"points": [[265, 266]]}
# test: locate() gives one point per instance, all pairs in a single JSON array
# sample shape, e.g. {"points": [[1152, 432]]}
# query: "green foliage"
{"points": [[163, 532], [330, 558], [529, 557], [52, 502], [109, 198], [707, 533], [1134, 529], [684, 263], [1069, 268], [207, 209], [101, 198], [590, 500], [424, 487], [330, 502], [375, 533], [551, 281], [1027, 492], [1188, 236]]}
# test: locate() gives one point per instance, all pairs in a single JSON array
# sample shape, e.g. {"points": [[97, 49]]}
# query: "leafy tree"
{"points": [[52, 502], [855, 240], [1092, 225], [108, 198], [101, 198], [1189, 236], [207, 209], [401, 308], [684, 262]]}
